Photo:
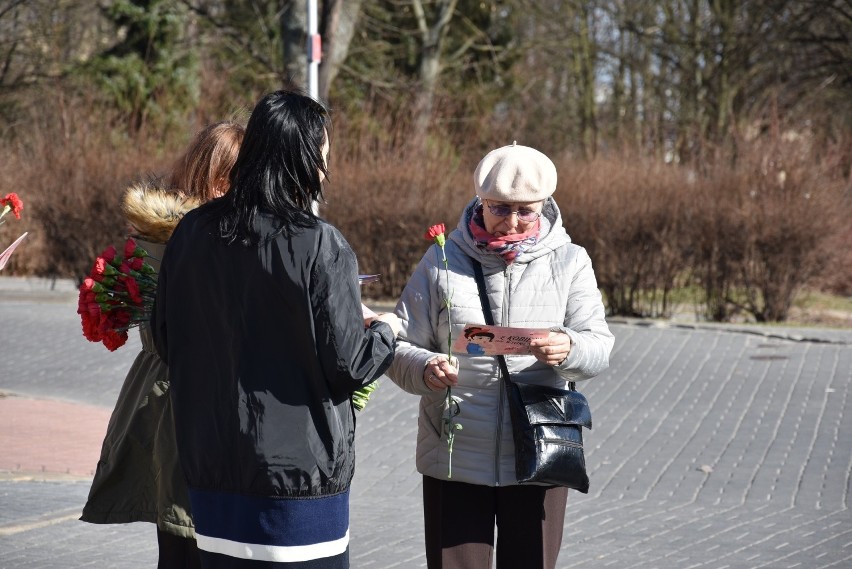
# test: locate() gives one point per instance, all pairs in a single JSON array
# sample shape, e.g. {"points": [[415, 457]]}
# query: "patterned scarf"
{"points": [[507, 246]]}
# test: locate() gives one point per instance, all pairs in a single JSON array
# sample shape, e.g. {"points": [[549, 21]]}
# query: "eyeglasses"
{"points": [[524, 214]]}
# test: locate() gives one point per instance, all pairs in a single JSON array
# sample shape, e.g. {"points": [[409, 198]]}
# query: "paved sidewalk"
{"points": [[713, 447], [50, 437]]}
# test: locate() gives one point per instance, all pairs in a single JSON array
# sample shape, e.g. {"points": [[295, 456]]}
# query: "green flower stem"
{"points": [[450, 437], [449, 419]]}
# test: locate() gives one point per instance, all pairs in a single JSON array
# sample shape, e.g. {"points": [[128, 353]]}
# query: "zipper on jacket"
{"points": [[502, 387], [504, 319]]}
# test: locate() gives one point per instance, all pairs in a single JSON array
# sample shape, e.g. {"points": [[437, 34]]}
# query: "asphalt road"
{"points": [[713, 447]]}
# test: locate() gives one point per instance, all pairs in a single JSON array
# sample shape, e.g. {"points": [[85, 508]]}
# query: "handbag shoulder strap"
{"points": [[483, 295], [489, 319], [486, 311]]}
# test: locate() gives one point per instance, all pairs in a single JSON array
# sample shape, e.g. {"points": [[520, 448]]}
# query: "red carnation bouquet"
{"points": [[117, 295]]}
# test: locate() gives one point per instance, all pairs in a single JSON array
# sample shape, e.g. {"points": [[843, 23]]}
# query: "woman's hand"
{"points": [[388, 318], [552, 350], [440, 373]]}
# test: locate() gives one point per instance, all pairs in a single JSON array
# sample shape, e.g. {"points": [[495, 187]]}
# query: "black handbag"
{"points": [[547, 423]]}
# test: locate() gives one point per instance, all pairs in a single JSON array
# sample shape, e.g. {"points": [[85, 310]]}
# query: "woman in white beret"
{"points": [[535, 277]]}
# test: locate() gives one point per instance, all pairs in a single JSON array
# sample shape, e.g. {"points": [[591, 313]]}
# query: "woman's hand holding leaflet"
{"points": [[552, 350]]}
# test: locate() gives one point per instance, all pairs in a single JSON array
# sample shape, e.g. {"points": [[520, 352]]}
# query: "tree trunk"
{"points": [[430, 70], [432, 34], [337, 26], [693, 90], [294, 35], [619, 81], [725, 12], [584, 60]]}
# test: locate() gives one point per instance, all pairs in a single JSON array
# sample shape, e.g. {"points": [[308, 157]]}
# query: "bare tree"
{"points": [[561, 66], [41, 39], [433, 27], [293, 21], [338, 24], [273, 33]]}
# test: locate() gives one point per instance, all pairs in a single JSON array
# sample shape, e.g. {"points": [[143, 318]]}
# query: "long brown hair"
{"points": [[203, 170]]}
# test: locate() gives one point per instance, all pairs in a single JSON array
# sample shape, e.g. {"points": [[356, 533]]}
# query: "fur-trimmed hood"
{"points": [[153, 212]]}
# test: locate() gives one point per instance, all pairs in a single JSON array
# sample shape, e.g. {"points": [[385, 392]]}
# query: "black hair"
{"points": [[278, 168]]}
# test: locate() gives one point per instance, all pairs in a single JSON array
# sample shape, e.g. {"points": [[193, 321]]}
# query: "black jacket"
{"points": [[265, 345]]}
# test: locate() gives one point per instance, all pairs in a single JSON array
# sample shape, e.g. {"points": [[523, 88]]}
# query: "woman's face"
{"points": [[325, 148], [510, 218]]}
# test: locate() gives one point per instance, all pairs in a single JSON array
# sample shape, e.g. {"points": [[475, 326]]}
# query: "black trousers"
{"points": [[459, 520], [177, 552]]}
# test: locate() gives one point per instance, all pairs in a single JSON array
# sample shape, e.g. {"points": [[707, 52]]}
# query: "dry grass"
{"points": [[70, 169], [777, 214], [383, 200], [631, 216], [811, 308]]}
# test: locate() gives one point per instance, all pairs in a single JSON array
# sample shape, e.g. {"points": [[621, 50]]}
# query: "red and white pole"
{"points": [[314, 49]]}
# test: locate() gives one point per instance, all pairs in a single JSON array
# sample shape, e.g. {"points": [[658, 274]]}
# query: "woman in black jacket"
{"points": [[258, 316]]}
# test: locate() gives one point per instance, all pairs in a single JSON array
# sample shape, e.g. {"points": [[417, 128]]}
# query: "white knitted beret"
{"points": [[515, 173]]}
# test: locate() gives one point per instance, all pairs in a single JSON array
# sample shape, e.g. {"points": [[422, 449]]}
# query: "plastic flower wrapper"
{"points": [[450, 404], [117, 295], [362, 395]]}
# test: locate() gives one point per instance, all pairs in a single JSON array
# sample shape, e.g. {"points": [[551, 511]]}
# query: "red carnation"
{"points": [[91, 284], [114, 340], [120, 319], [105, 323], [13, 202], [86, 296], [109, 254], [131, 249], [93, 308], [133, 290], [91, 327], [99, 268], [85, 300], [435, 231], [81, 299]]}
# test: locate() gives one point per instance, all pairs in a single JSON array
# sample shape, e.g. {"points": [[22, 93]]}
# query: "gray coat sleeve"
{"points": [[585, 323], [418, 308]]}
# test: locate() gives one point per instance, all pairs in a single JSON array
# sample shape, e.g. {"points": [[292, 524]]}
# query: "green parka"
{"points": [[138, 477]]}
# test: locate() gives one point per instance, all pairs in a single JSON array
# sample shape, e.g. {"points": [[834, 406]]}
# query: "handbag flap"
{"points": [[551, 405]]}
